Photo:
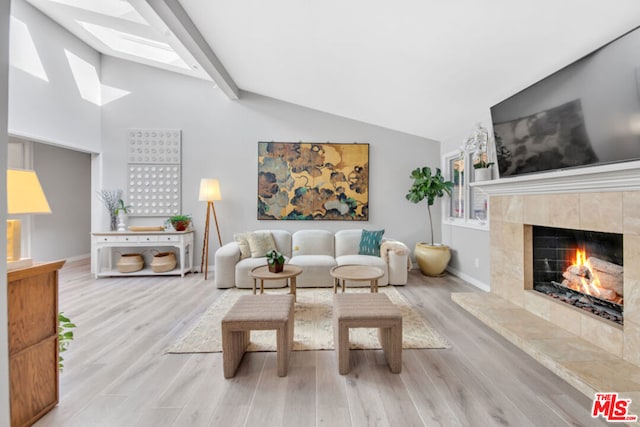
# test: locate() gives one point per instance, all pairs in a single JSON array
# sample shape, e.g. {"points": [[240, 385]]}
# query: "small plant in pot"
{"points": [[275, 261], [180, 222], [432, 258]]}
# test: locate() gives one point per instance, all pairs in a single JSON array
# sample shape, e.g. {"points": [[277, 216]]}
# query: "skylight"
{"points": [[115, 8], [126, 29], [132, 44]]}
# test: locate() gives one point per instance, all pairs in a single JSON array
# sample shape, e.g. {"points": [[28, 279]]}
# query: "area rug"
{"points": [[313, 328]]}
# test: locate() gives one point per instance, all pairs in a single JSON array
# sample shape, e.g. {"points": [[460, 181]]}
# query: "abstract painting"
{"points": [[313, 181]]}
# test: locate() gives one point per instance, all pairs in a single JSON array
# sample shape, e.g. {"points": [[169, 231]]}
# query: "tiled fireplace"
{"points": [[513, 218]]}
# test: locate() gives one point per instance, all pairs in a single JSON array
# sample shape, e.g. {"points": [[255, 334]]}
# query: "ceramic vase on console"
{"points": [[122, 222]]}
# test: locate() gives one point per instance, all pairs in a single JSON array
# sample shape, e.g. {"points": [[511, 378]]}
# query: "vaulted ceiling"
{"points": [[425, 67]]}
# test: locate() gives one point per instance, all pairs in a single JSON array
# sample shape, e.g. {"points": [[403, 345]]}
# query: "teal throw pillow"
{"points": [[370, 242]]}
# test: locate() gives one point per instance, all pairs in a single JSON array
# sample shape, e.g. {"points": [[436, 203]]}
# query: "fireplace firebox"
{"points": [[581, 268]]}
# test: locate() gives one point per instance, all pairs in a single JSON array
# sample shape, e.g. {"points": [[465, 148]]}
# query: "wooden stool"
{"points": [[251, 313], [367, 311]]}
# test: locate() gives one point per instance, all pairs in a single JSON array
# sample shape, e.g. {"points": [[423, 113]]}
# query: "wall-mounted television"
{"points": [[587, 113]]}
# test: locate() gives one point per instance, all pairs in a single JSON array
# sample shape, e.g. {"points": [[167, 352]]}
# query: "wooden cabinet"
{"points": [[32, 300]]}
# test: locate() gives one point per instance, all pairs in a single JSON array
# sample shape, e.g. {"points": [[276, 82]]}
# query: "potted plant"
{"points": [[65, 335], [109, 199], [432, 258], [477, 145], [275, 261], [180, 222], [121, 212]]}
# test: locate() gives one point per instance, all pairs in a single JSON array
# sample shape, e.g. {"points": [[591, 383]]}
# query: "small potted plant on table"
{"points": [[275, 261], [180, 222]]}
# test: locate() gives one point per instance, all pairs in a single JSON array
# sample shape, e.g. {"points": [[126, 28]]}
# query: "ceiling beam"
{"points": [[178, 22]]}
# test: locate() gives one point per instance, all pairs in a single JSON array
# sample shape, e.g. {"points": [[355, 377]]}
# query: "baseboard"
{"points": [[471, 280], [78, 258]]}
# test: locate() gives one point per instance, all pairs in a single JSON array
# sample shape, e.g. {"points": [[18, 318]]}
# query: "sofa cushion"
{"points": [[312, 242], [260, 243], [347, 242], [243, 244], [315, 270], [283, 242], [370, 242]]}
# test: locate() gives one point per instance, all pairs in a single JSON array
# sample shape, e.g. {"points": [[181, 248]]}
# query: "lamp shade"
{"points": [[209, 190], [24, 193]]}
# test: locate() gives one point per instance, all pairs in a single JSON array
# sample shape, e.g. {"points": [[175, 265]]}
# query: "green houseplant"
{"points": [[275, 261], [65, 335], [432, 259], [180, 222]]}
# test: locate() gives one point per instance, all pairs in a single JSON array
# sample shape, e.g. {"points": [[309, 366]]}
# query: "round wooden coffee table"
{"points": [[358, 273], [262, 273]]}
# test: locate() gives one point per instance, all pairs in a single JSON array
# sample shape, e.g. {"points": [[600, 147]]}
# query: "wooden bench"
{"points": [[252, 313], [367, 311]]}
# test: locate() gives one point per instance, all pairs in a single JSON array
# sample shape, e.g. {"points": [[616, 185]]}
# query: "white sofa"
{"points": [[316, 251]]}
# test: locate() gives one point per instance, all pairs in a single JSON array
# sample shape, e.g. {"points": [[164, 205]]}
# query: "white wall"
{"points": [[220, 141], [4, 336], [44, 100]]}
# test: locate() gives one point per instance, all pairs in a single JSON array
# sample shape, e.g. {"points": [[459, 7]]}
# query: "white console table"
{"points": [[182, 240]]}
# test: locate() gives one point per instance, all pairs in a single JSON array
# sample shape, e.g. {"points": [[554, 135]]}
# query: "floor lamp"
{"points": [[209, 191]]}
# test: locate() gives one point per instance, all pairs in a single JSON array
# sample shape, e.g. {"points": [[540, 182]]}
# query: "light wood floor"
{"points": [[117, 374]]}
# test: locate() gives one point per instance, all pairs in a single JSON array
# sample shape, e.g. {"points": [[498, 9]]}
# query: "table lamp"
{"points": [[24, 196], [209, 191]]}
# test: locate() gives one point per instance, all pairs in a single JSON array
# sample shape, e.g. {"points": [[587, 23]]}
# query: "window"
{"points": [[468, 206]]}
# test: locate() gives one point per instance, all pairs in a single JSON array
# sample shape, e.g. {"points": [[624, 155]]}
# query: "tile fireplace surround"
{"points": [[590, 353]]}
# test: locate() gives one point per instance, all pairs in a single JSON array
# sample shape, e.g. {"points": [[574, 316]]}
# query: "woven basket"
{"points": [[163, 261], [128, 263]]}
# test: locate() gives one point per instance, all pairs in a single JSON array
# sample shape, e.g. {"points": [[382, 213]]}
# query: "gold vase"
{"points": [[432, 259]]}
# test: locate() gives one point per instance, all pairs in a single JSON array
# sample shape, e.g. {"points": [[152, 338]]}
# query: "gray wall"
{"points": [[65, 176], [469, 247], [220, 141]]}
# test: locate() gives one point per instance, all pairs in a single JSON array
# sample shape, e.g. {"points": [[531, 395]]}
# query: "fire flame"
{"points": [[592, 286]]}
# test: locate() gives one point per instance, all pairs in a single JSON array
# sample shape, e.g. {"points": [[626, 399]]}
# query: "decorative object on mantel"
{"points": [[209, 192], [109, 199], [477, 146], [432, 258], [154, 171], [313, 181]]}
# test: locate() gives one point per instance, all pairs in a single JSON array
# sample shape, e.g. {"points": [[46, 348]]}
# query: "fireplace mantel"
{"points": [[611, 177]]}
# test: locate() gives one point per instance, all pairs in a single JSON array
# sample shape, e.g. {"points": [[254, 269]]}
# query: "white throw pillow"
{"points": [[260, 243], [243, 244]]}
